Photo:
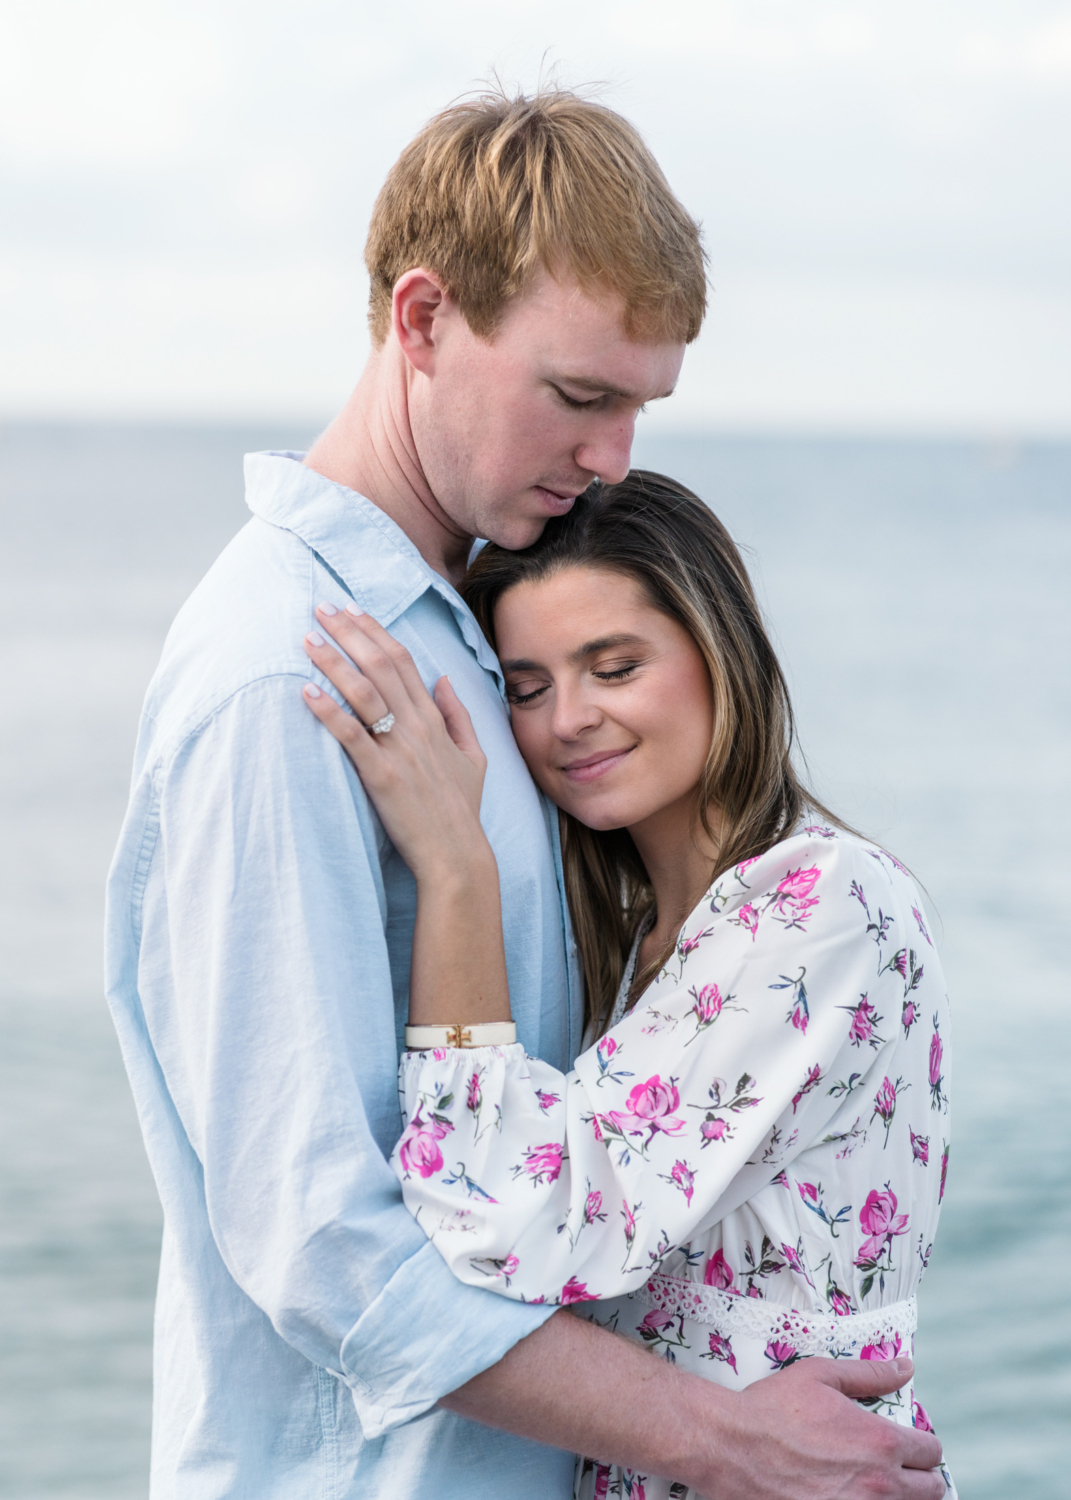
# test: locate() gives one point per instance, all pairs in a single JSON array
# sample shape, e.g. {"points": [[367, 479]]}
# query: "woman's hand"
{"points": [[425, 775]]}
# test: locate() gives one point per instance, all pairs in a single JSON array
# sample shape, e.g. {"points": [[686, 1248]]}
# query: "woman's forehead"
{"points": [[574, 611]]}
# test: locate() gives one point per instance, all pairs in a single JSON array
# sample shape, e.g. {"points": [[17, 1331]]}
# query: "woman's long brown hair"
{"points": [[656, 532]]}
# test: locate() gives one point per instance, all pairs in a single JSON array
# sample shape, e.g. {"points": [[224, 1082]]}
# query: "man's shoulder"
{"points": [[243, 624]]}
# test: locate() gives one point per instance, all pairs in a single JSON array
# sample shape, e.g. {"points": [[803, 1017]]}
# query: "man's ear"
{"points": [[418, 302]]}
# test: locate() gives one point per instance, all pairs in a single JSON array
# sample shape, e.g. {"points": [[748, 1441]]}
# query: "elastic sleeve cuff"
{"points": [[425, 1335]]}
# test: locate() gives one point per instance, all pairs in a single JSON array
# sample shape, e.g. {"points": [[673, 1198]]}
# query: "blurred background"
{"points": [[879, 407]]}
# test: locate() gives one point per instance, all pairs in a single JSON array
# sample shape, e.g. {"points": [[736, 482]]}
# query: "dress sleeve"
{"points": [[567, 1188]]}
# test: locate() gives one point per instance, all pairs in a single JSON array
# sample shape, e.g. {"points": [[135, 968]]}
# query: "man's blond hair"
{"points": [[494, 188]]}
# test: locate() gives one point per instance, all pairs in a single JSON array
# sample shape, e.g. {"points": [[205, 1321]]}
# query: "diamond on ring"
{"points": [[384, 725]]}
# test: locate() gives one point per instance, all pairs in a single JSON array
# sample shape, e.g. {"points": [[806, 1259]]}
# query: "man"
{"points": [[534, 283]]}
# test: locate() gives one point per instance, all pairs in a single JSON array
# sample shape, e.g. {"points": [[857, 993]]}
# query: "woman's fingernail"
{"points": [[326, 609], [314, 638], [351, 609], [312, 691]]}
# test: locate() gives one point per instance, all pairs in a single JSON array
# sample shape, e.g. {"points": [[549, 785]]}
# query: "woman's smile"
{"points": [[591, 767]]}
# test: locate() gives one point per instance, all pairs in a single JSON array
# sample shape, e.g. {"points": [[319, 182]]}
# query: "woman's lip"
{"points": [[593, 766]]}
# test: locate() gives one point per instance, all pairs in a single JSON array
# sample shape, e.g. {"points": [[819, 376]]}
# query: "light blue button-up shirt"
{"points": [[259, 931]]}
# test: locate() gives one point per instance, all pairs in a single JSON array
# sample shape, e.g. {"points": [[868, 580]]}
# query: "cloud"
{"points": [[188, 186]]}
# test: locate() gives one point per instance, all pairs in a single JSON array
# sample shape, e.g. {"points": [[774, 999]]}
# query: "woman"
{"points": [[745, 1165]]}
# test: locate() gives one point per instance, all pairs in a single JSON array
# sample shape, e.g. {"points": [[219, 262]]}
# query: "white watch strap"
{"points": [[481, 1034]]}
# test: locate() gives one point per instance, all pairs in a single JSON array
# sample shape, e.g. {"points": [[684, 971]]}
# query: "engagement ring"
{"points": [[384, 725]]}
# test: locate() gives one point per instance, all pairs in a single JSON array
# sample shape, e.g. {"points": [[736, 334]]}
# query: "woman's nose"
{"points": [[572, 714]]}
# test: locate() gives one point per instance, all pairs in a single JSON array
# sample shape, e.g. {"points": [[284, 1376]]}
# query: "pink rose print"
{"points": [[794, 1261], [798, 1015], [781, 1355], [884, 1350], [576, 1291], [885, 1102], [547, 1101], [937, 1052], [418, 1149], [921, 924], [506, 1268], [715, 1129], [799, 883], [840, 1302], [721, 1348], [473, 1099], [792, 901], [708, 1004], [919, 1417], [653, 1102], [753, 1290], [811, 1194], [686, 946], [541, 1163], [718, 1273], [748, 917], [593, 1208], [920, 1147], [864, 1024], [603, 1056], [881, 1223], [745, 864], [602, 1481], [656, 1320], [813, 1079], [909, 1015], [684, 1177], [899, 963], [629, 1216], [944, 1173]]}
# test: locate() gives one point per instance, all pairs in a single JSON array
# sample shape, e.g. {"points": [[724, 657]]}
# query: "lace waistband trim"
{"points": [[806, 1332]]}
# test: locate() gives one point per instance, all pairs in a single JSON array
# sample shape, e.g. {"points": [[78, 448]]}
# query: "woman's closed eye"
{"points": [[526, 691], [615, 674]]}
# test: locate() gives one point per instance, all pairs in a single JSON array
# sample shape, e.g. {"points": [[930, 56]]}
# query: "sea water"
{"points": [[919, 596]]}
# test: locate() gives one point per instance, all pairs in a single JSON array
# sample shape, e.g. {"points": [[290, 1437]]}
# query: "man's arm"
{"points": [[266, 985], [792, 1436]]}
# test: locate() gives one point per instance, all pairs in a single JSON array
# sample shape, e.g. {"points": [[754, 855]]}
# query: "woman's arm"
{"points": [[566, 1188], [425, 777]]}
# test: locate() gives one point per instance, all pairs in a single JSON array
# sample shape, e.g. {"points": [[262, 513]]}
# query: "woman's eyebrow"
{"points": [[521, 664], [589, 648], [606, 643]]}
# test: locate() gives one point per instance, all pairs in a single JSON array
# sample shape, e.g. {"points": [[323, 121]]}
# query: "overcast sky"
{"points": [[885, 191]]}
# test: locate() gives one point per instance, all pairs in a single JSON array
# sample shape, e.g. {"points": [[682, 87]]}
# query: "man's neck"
{"points": [[369, 448]]}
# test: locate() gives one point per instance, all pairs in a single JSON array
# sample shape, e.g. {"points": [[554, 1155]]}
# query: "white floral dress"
{"points": [[747, 1168]]}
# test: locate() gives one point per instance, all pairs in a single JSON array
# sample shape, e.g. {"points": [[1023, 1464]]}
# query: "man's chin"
{"points": [[515, 535]]}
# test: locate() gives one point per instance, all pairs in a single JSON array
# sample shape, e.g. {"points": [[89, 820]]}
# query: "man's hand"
{"points": [[797, 1435]]}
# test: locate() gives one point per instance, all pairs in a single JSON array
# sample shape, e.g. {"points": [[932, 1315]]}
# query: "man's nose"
{"points": [[608, 453]]}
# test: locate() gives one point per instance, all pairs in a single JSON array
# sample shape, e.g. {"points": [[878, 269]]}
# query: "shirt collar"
{"points": [[368, 552]]}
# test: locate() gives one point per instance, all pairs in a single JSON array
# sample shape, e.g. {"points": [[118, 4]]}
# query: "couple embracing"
{"points": [[642, 1209]]}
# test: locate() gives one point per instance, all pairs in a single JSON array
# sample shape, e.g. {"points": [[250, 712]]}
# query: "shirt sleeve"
{"points": [[567, 1188], [268, 996]]}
